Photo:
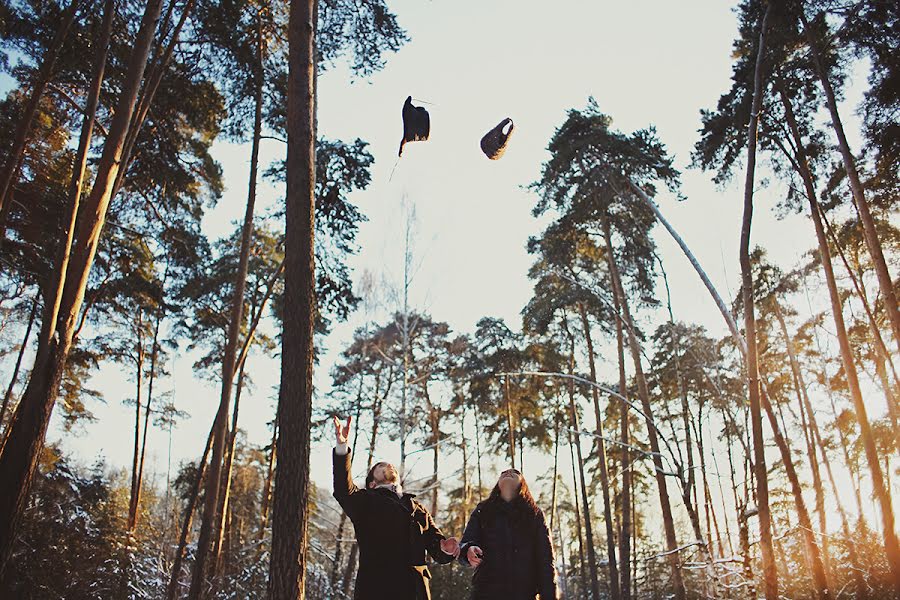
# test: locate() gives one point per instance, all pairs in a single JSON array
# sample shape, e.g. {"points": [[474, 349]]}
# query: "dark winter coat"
{"points": [[517, 560], [393, 535]]}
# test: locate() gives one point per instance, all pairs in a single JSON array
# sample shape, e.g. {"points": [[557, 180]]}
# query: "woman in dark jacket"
{"points": [[508, 544]]}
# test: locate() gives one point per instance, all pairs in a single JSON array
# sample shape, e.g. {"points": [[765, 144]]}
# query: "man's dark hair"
{"points": [[370, 476]]}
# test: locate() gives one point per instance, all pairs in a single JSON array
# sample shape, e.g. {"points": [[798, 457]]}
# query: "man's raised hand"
{"points": [[341, 432]]}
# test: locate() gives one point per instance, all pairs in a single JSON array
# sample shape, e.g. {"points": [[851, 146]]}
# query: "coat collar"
{"points": [[390, 494]]}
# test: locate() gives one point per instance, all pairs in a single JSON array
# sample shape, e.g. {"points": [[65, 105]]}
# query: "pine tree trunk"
{"points": [[223, 568], [338, 551], [227, 472], [561, 544], [404, 339], [172, 588], [478, 453], [287, 572], [18, 365], [257, 315], [820, 580], [434, 426], [729, 446], [376, 417], [521, 453], [635, 593], [154, 354], [578, 521], [891, 545], [744, 535], [708, 506], [871, 234], [136, 453], [643, 392], [24, 442], [510, 424], [214, 482], [350, 570], [435, 434], [23, 126], [709, 510], [267, 488], [818, 488], [770, 573], [612, 566], [725, 511], [467, 485], [800, 386], [588, 528], [555, 475], [625, 469], [688, 483], [817, 442], [862, 589]]}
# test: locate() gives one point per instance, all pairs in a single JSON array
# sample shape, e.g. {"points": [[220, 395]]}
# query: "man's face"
{"points": [[384, 473], [510, 482]]}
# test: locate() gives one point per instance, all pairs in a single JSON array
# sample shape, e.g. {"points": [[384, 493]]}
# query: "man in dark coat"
{"points": [[393, 530], [508, 544]]}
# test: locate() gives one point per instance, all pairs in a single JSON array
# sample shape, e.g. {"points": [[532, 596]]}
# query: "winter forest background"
{"points": [[576, 309]]}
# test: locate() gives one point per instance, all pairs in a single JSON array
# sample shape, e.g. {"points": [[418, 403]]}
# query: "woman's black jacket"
{"points": [[517, 560]]}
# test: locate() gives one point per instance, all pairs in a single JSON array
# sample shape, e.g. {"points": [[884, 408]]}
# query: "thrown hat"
{"points": [[416, 124], [494, 142]]}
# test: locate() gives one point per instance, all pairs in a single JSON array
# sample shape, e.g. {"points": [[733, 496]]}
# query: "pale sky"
{"points": [[476, 62]]}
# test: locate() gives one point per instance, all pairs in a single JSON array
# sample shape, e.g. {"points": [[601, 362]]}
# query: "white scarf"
{"points": [[394, 487]]}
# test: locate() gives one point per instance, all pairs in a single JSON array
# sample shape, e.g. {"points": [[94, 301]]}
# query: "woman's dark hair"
{"points": [[524, 502]]}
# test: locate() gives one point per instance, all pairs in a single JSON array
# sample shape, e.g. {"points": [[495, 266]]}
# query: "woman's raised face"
{"points": [[510, 481]]}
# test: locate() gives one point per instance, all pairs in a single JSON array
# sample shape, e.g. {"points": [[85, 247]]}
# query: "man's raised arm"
{"points": [[345, 491]]}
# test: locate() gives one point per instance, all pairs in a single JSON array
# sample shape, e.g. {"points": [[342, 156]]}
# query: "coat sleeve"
{"points": [[471, 536], [433, 538], [544, 561], [345, 491]]}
